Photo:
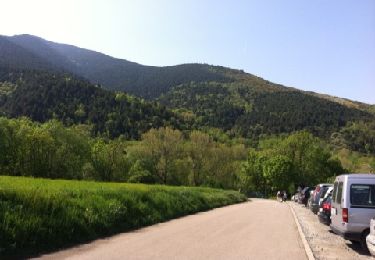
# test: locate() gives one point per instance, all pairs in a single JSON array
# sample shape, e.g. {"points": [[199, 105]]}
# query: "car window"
{"points": [[339, 192], [334, 191], [323, 191], [362, 195]]}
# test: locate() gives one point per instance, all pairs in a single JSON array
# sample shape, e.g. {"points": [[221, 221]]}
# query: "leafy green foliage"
{"points": [[284, 163], [163, 156], [195, 161], [39, 214]]}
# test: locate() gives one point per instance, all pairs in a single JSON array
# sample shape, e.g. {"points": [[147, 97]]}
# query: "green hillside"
{"points": [[42, 96], [250, 109], [205, 96]]}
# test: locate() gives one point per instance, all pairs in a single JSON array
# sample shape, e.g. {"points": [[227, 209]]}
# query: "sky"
{"points": [[326, 46]]}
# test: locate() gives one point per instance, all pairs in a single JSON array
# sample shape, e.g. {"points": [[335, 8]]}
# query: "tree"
{"points": [[198, 150], [251, 175], [109, 160], [164, 146], [277, 172]]}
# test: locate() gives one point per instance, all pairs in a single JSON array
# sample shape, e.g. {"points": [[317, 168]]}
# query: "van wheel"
{"points": [[363, 239]]}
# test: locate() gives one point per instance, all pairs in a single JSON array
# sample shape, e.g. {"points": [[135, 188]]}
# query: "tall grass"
{"points": [[40, 214]]}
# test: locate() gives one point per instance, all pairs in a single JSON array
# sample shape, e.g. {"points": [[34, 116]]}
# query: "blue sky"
{"points": [[326, 46]]}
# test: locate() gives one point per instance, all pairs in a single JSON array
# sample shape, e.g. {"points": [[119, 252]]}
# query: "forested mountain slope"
{"points": [[251, 110], [44, 95], [236, 102], [114, 74]]}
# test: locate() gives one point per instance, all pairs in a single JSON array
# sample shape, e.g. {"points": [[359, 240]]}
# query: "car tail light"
{"points": [[327, 206], [345, 215]]}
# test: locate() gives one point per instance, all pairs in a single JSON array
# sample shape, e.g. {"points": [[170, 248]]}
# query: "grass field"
{"points": [[39, 215]]}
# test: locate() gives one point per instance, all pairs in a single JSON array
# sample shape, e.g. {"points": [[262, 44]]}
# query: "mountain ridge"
{"points": [[133, 77], [206, 96]]}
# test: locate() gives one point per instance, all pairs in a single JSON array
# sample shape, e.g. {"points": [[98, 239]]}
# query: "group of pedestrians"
{"points": [[282, 196]]}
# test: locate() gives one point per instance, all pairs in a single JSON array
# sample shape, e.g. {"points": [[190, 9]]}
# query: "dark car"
{"points": [[324, 213], [318, 195], [304, 195]]}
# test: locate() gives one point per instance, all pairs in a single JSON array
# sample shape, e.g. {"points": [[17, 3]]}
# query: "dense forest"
{"points": [[248, 111], [42, 96]]}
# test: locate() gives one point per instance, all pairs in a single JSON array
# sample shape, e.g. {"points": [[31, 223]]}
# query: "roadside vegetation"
{"points": [[283, 163], [173, 157], [162, 156], [41, 214]]}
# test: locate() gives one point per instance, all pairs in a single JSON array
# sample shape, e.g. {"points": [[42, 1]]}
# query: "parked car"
{"points": [[327, 193], [370, 239], [310, 197], [317, 195], [304, 195], [324, 213], [353, 206]]}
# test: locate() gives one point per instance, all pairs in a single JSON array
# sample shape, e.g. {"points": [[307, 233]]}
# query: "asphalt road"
{"points": [[260, 229]]}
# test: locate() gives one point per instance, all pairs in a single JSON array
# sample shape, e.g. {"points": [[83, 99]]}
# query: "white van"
{"points": [[353, 206]]}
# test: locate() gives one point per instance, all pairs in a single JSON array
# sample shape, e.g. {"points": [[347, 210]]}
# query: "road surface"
{"points": [[260, 229]]}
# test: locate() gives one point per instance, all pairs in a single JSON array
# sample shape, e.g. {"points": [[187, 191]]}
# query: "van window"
{"points": [[334, 191], [362, 195], [339, 192]]}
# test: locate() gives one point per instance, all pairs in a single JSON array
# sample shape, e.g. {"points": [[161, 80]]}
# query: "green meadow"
{"points": [[38, 215]]}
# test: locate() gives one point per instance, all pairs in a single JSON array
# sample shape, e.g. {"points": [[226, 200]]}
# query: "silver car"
{"points": [[353, 206]]}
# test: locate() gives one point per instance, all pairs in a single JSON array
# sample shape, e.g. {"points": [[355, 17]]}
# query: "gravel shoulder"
{"points": [[323, 243], [260, 229]]}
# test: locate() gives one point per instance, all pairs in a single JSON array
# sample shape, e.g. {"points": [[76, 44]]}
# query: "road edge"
{"points": [[306, 245]]}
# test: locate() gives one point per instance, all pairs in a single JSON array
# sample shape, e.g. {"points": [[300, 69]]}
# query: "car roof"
{"points": [[356, 176]]}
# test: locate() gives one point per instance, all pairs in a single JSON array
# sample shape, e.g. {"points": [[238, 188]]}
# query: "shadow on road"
{"points": [[358, 248]]}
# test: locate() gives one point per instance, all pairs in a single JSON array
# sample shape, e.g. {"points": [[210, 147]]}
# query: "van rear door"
{"points": [[362, 205], [336, 209]]}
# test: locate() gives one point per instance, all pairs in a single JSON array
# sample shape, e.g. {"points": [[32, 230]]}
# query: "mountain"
{"points": [[42, 96], [115, 74], [206, 96], [15, 56]]}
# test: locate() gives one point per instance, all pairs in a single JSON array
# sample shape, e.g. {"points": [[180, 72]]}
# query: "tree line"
{"points": [[283, 163], [163, 156]]}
